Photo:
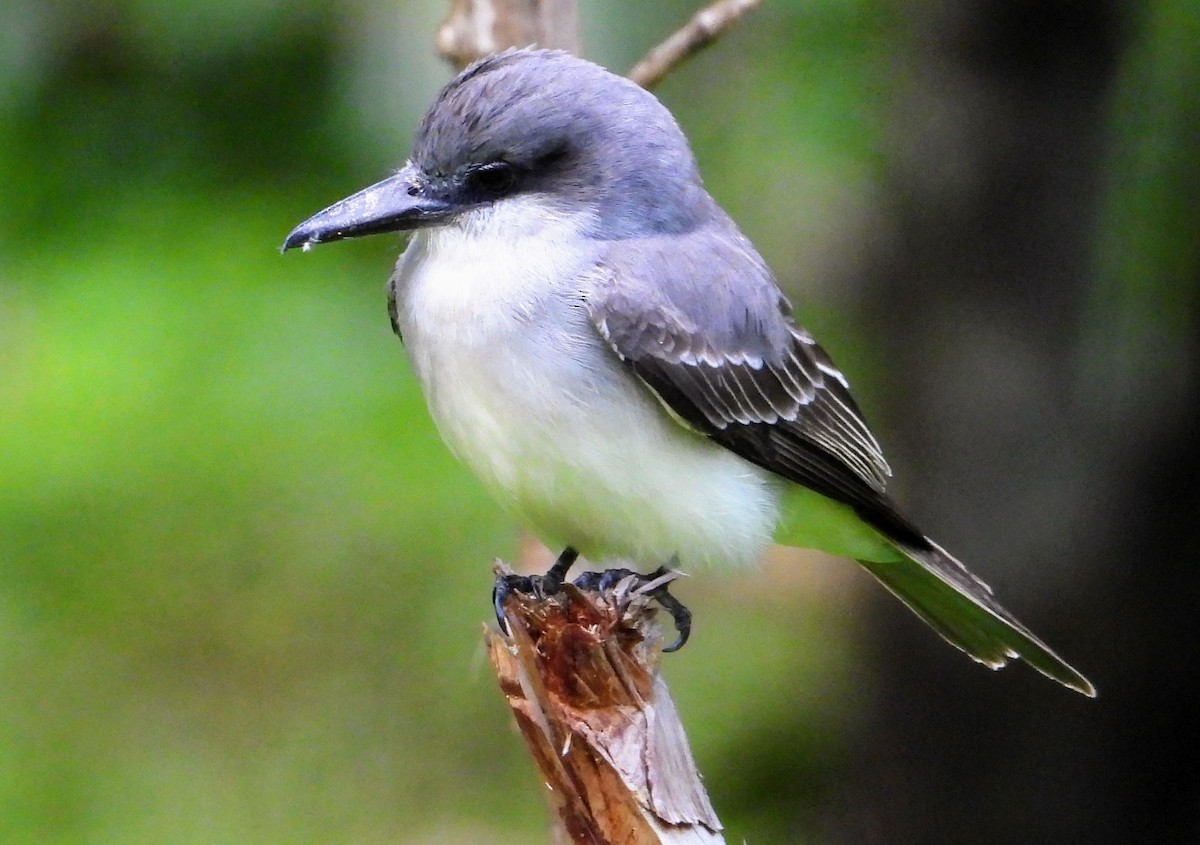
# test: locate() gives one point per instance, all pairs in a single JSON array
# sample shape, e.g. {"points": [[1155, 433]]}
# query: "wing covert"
{"points": [[706, 328]]}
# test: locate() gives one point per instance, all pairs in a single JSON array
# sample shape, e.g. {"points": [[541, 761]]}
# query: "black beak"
{"points": [[396, 204]]}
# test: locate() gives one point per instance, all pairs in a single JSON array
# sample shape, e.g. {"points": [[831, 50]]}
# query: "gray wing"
{"points": [[703, 325], [701, 322]]}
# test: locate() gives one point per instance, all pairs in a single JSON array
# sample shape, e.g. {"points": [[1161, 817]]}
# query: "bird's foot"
{"points": [[653, 584], [540, 586]]}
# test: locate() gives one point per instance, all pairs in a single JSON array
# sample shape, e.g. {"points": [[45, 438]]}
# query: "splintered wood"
{"points": [[580, 672]]}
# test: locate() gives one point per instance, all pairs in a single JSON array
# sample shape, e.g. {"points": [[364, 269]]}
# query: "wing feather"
{"points": [[701, 322], [708, 331]]}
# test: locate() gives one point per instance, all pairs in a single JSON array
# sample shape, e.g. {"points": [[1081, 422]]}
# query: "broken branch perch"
{"points": [[580, 672]]}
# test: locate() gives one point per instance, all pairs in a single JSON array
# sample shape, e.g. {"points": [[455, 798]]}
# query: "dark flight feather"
{"points": [[705, 327]]}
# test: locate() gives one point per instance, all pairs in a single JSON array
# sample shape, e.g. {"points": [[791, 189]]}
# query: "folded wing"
{"points": [[701, 322]]}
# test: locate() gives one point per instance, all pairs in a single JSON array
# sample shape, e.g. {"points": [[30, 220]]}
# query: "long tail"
{"points": [[961, 608]]}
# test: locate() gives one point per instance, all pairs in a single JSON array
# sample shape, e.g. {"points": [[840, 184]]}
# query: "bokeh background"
{"points": [[242, 584]]}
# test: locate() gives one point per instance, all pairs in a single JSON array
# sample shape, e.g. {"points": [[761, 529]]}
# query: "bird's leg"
{"points": [[534, 585], [609, 578]]}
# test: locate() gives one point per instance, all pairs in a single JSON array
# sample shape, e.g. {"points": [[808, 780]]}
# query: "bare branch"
{"points": [[580, 672], [477, 28], [703, 29]]}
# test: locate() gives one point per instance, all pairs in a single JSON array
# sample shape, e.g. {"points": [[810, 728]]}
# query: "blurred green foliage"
{"points": [[241, 581]]}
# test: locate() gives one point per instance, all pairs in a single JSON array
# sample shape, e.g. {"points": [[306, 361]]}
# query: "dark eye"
{"points": [[552, 156], [493, 179]]}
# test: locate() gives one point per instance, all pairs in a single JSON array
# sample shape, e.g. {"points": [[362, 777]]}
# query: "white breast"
{"points": [[524, 391]]}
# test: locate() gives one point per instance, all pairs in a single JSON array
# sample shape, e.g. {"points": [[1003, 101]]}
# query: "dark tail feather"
{"points": [[961, 608]]}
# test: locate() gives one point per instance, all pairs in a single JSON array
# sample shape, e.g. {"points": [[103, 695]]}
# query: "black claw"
{"points": [[501, 590], [678, 610]]}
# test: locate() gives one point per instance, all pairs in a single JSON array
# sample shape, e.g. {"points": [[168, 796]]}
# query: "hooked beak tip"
{"points": [[300, 237]]}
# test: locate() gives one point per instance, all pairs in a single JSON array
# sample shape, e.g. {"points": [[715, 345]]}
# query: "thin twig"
{"points": [[703, 29]]}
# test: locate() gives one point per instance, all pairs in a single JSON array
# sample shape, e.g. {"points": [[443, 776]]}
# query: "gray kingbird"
{"points": [[613, 359]]}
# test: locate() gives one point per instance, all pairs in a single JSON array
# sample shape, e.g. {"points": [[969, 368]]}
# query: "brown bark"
{"points": [[580, 672]]}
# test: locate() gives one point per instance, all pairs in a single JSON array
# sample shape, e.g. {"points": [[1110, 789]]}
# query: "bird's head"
{"points": [[541, 125]]}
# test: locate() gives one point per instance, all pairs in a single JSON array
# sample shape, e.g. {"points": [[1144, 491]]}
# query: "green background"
{"points": [[242, 583]]}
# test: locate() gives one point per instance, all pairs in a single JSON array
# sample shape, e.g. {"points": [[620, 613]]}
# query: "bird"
{"points": [[603, 347]]}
